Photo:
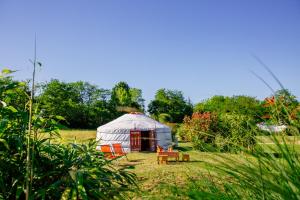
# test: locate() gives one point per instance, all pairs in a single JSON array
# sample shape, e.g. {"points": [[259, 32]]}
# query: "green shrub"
{"points": [[236, 131], [226, 132], [199, 127]]}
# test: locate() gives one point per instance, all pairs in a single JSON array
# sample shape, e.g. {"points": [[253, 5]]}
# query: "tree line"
{"points": [[86, 106]]}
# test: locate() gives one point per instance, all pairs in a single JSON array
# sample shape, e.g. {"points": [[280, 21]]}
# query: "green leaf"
{"points": [[74, 195], [4, 143], [80, 186], [19, 191], [3, 103], [72, 174], [42, 194], [22, 84], [59, 117], [66, 194], [7, 71], [11, 108]]}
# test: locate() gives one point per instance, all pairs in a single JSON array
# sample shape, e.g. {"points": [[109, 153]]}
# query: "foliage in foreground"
{"points": [[57, 171]]}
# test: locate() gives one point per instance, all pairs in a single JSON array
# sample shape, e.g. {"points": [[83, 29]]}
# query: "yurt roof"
{"points": [[133, 121]]}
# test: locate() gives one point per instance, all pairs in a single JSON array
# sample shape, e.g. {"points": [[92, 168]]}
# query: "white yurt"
{"points": [[136, 132]]}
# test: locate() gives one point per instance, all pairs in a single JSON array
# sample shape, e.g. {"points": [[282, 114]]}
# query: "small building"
{"points": [[136, 132]]}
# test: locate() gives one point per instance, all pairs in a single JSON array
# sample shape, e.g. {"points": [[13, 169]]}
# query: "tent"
{"points": [[136, 132]]}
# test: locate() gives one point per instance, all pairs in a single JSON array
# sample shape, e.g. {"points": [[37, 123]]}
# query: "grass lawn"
{"points": [[267, 143], [160, 181], [269, 139], [79, 136], [172, 181]]}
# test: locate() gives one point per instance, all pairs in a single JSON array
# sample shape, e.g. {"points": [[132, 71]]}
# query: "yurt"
{"points": [[136, 132]]}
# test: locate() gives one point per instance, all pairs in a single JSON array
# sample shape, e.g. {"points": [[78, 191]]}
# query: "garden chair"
{"points": [[159, 149], [106, 150], [118, 150]]}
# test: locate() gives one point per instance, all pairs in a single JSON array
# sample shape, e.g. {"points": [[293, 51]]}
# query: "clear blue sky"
{"points": [[201, 47]]}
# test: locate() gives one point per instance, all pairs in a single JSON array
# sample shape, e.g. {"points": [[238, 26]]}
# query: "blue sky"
{"points": [[201, 47]]}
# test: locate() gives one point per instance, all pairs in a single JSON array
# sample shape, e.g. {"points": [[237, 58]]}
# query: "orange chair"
{"points": [[118, 149], [106, 150], [170, 149], [159, 149]]}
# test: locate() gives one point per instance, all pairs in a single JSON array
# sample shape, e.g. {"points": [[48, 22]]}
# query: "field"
{"points": [[172, 181], [77, 136]]}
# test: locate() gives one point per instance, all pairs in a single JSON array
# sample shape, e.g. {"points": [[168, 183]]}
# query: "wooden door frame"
{"points": [[154, 141], [138, 132]]}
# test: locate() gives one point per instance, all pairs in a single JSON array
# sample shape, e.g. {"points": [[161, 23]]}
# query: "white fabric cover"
{"points": [[118, 130], [271, 128]]}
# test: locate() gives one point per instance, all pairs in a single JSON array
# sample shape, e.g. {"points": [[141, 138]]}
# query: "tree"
{"points": [[172, 103], [282, 108], [137, 98], [82, 105], [123, 96], [241, 104]]}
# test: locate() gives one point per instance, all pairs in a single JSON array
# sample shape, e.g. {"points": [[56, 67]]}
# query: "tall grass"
{"points": [[261, 173]]}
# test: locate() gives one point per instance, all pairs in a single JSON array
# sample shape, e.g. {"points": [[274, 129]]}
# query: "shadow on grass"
{"points": [[173, 162], [184, 149], [132, 163], [136, 160]]}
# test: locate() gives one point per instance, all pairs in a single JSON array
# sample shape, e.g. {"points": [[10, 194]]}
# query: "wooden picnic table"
{"points": [[171, 154]]}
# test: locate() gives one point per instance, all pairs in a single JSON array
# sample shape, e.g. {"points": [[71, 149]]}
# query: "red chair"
{"points": [[106, 150], [118, 150]]}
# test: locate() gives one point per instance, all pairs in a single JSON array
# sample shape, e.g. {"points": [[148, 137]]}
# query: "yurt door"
{"points": [[152, 140], [135, 140]]}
